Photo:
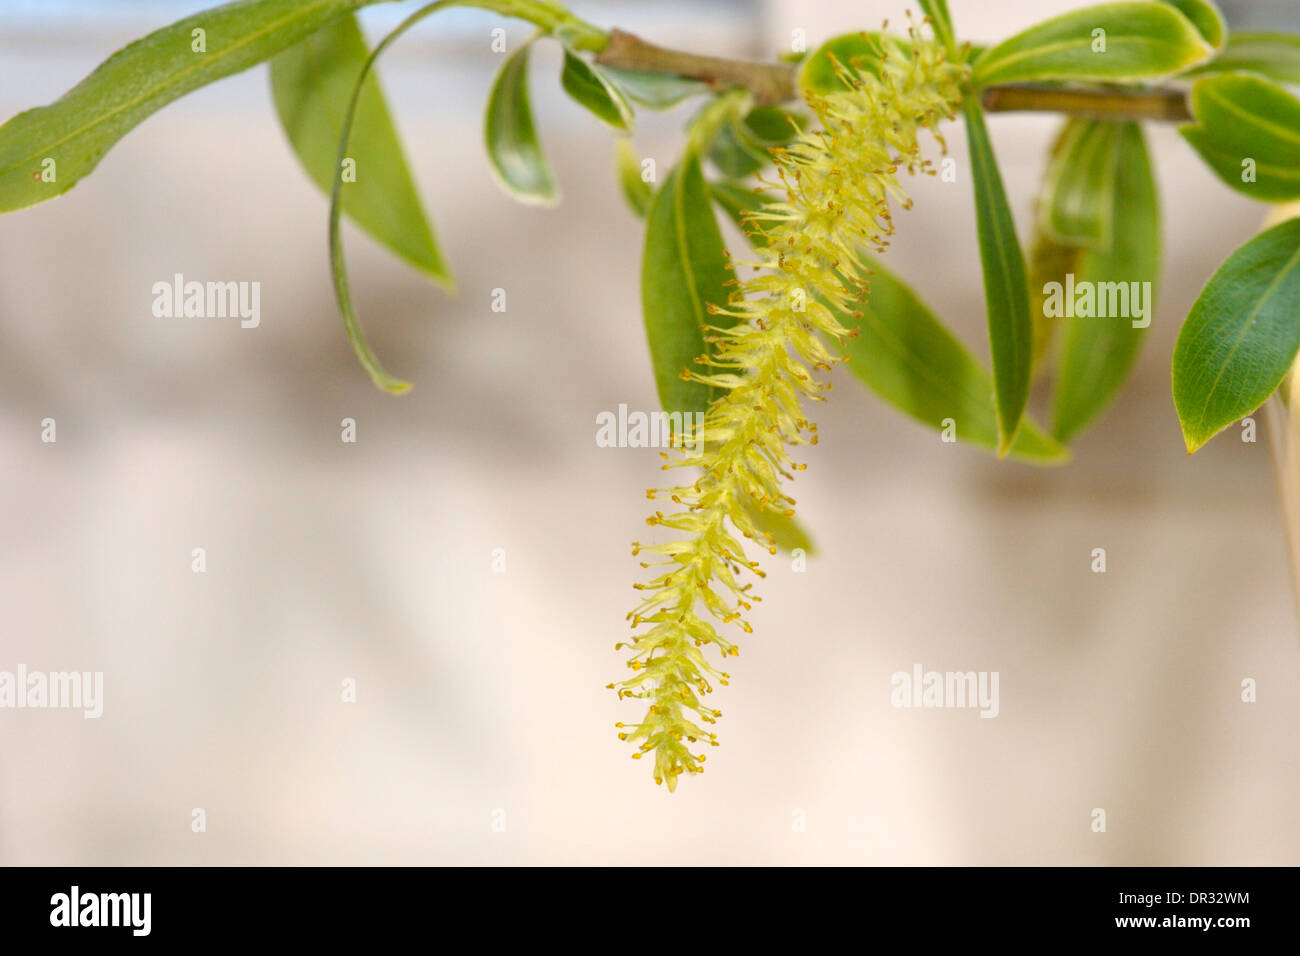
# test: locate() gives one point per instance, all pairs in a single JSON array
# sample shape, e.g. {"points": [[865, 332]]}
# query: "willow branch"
{"points": [[773, 83]]}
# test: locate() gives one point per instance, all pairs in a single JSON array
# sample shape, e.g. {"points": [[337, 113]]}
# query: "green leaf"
{"points": [[908, 358], [1206, 17], [1006, 291], [1241, 336], [741, 147], [941, 20], [635, 189], [1248, 130], [657, 91], [683, 270], [787, 534], [738, 201], [587, 84], [863, 51], [1274, 55], [1141, 41], [516, 158], [312, 83], [78, 129], [1098, 352], [1078, 198]]}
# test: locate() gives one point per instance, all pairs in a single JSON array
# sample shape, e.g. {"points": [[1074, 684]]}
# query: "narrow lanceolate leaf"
{"points": [[1111, 291], [635, 189], [1078, 198], [683, 270], [1006, 289], [1206, 17], [1241, 336], [515, 155], [1112, 42], [1274, 55], [1248, 130], [46, 151], [588, 85], [739, 201], [908, 358], [312, 83]]}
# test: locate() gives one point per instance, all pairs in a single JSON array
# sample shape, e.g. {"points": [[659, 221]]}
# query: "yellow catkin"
{"points": [[838, 181]]}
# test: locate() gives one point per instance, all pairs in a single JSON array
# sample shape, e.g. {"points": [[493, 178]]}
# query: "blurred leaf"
{"points": [[636, 190], [1098, 352], [908, 358], [516, 158], [1206, 17], [587, 84], [787, 534], [658, 91], [1274, 55], [1006, 292], [941, 20], [741, 147], [312, 83], [1078, 197], [683, 270], [1248, 130], [862, 51], [1049, 261], [77, 130], [1142, 41], [736, 200], [1241, 336]]}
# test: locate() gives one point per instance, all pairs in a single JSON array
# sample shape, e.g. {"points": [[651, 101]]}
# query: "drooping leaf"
{"points": [[514, 152], [657, 91], [1241, 336], [1098, 351], [1206, 17], [312, 83], [635, 189], [75, 131], [1006, 291], [1247, 130], [908, 358], [1078, 198], [1111, 42], [862, 51], [683, 270], [1274, 55], [588, 85]]}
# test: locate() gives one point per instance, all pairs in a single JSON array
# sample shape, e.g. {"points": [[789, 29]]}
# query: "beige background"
{"points": [[480, 691]]}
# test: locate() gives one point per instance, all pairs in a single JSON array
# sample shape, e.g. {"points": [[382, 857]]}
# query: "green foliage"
{"points": [[1248, 130], [863, 51], [1112, 42], [1241, 336], [1098, 351], [588, 85], [514, 152], [1272, 55], [78, 129], [1006, 289], [312, 83], [684, 269]]}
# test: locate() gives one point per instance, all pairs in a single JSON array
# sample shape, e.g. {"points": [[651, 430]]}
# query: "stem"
{"points": [[773, 83], [1166, 104]]}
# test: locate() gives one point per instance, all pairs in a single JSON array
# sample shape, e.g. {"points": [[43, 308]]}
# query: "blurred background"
{"points": [[480, 695]]}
